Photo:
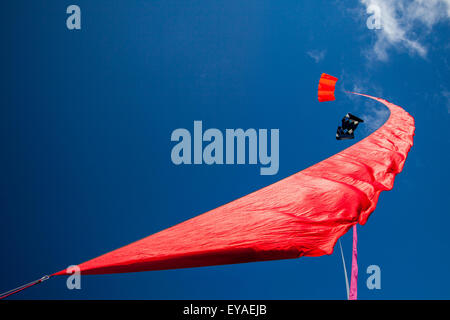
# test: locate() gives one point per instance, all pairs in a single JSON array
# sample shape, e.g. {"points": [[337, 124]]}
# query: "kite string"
{"points": [[345, 269], [23, 287]]}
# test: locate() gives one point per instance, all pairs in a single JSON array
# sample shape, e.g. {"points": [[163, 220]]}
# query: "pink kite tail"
{"points": [[354, 277]]}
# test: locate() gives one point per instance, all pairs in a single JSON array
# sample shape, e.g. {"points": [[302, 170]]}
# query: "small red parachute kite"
{"points": [[327, 85], [302, 215]]}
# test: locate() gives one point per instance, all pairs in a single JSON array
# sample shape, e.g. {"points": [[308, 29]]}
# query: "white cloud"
{"points": [[317, 55], [405, 24], [375, 117]]}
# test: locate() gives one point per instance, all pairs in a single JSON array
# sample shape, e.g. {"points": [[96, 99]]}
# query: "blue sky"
{"points": [[86, 119]]}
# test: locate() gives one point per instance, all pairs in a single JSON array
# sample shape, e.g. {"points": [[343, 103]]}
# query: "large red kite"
{"points": [[301, 215]]}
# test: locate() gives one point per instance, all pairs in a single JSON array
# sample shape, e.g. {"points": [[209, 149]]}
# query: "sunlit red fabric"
{"points": [[326, 89], [302, 215]]}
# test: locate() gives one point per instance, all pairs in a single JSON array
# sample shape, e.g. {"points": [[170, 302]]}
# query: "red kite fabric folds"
{"points": [[327, 85], [302, 215]]}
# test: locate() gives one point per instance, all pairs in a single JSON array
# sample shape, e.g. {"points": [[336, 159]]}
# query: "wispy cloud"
{"points": [[375, 116], [405, 24], [317, 55], [350, 82], [373, 113]]}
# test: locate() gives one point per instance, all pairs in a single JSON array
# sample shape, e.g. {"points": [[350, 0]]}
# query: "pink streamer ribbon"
{"points": [[354, 277]]}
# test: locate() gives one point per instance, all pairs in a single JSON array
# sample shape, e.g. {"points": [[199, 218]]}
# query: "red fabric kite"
{"points": [[302, 215], [327, 85]]}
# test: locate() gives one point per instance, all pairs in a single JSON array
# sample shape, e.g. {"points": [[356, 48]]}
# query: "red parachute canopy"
{"points": [[302, 215], [326, 87]]}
